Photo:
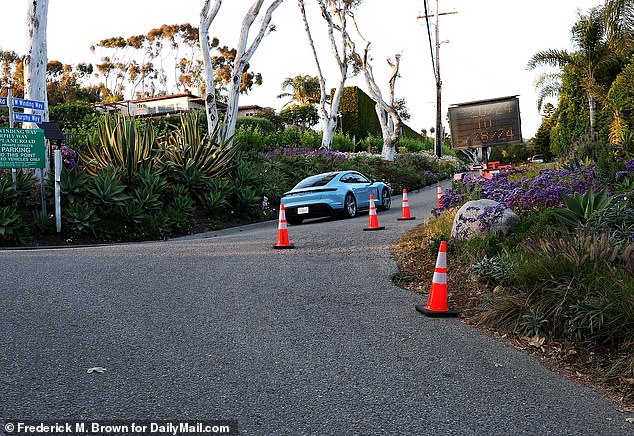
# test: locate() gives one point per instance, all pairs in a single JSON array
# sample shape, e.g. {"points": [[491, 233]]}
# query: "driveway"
{"points": [[311, 341]]}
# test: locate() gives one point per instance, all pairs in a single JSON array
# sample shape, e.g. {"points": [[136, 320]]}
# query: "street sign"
{"points": [[485, 123], [20, 148], [26, 118], [28, 104], [3, 101]]}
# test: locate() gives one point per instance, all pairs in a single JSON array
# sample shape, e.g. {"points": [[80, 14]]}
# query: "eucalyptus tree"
{"points": [[388, 109], [244, 53], [11, 72], [36, 58], [335, 13]]}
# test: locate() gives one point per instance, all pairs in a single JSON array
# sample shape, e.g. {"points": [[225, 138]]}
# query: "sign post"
{"points": [[58, 198], [21, 152], [14, 174], [479, 125]]}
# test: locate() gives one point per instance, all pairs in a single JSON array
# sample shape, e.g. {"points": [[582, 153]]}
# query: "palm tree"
{"points": [[592, 56], [619, 24], [303, 89]]}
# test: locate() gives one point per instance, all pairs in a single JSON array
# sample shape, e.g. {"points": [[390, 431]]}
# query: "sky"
{"points": [[484, 51]]}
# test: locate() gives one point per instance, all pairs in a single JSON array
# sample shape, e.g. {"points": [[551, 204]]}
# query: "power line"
{"points": [[431, 49]]}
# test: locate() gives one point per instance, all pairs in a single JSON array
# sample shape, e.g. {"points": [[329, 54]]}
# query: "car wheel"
{"points": [[386, 199], [350, 206], [294, 220]]}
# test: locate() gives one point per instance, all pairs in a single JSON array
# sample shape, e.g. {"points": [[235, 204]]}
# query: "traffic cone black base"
{"points": [[449, 313], [282, 247], [369, 229], [406, 219]]}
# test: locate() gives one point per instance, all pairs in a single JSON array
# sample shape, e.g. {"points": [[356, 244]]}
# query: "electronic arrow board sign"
{"points": [[485, 123]]}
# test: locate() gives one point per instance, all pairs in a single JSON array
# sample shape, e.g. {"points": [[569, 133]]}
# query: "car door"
{"points": [[361, 187]]}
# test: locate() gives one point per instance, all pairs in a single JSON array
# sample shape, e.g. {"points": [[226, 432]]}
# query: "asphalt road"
{"points": [[310, 341]]}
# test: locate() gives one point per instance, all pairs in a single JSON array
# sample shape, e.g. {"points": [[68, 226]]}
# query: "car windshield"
{"points": [[318, 180]]}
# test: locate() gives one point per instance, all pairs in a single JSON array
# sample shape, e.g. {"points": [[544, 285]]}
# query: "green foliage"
{"points": [[534, 322], [216, 199], [81, 218], [304, 116], [147, 199], [184, 204], [261, 125], [157, 226], [73, 186], [247, 200], [24, 184], [512, 153], [195, 180], [72, 116], [108, 190], [179, 220], [13, 230], [132, 213], [250, 139], [8, 194], [358, 115], [342, 142], [580, 209], [123, 142], [187, 148], [491, 270]]}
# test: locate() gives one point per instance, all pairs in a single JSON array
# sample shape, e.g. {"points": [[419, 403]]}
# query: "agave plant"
{"points": [[580, 208], [108, 190], [187, 147], [24, 183], [81, 218], [184, 204], [149, 179], [73, 185], [121, 144], [195, 180], [147, 199], [8, 194], [12, 228], [216, 198]]}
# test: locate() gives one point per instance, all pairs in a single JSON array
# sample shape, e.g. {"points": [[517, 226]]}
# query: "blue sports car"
{"points": [[337, 193]]}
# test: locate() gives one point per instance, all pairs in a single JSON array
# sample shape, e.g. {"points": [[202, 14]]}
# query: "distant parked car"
{"points": [[538, 158], [336, 193]]}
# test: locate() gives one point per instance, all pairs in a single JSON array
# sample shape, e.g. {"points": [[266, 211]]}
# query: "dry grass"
{"points": [[416, 256]]}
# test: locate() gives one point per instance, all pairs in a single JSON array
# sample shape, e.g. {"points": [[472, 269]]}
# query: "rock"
{"points": [[478, 218]]}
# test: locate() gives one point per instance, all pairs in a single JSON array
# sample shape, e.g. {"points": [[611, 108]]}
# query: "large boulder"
{"points": [[478, 218]]}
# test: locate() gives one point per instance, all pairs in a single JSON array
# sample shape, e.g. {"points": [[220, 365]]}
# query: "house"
{"points": [[166, 105], [154, 106]]}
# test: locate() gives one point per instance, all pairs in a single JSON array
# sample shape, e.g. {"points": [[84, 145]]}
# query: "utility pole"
{"points": [[439, 130]]}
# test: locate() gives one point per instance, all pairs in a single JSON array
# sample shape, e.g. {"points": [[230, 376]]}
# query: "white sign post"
{"points": [[57, 155]]}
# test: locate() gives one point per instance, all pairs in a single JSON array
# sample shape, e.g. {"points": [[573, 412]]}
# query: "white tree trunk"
{"points": [[36, 59], [207, 16], [328, 116], [243, 56], [390, 120]]}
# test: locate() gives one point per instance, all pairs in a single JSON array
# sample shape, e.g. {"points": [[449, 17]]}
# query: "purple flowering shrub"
{"points": [[523, 194], [69, 156]]}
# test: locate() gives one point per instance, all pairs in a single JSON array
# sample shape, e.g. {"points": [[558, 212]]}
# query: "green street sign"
{"points": [[22, 148]]}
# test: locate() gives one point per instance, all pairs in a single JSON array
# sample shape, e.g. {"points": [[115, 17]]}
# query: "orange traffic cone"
{"points": [[439, 190], [373, 220], [437, 300], [406, 214], [282, 231]]}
